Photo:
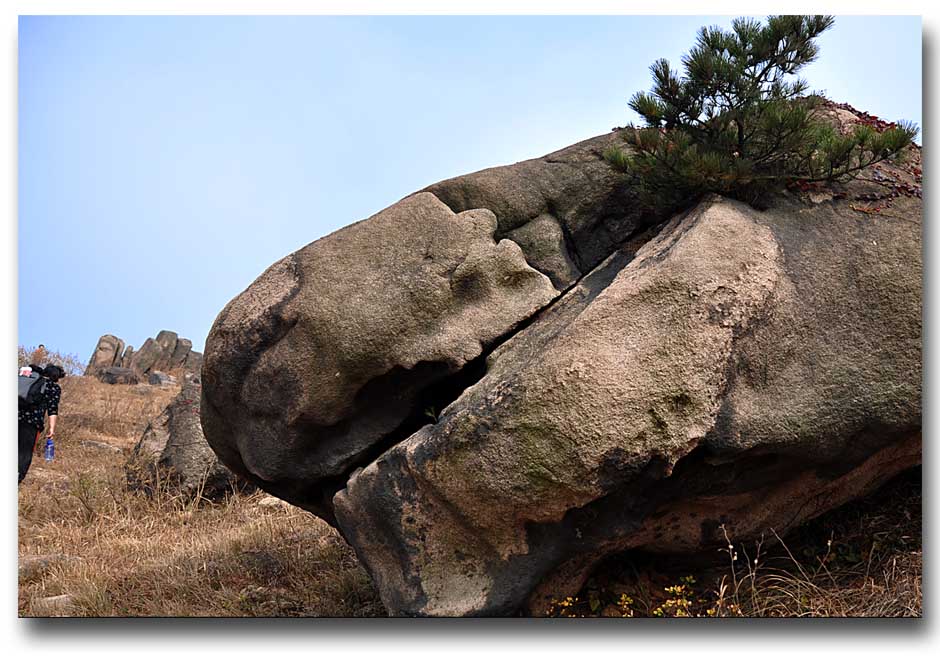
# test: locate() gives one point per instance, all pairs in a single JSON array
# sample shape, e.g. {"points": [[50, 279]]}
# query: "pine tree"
{"points": [[738, 122]]}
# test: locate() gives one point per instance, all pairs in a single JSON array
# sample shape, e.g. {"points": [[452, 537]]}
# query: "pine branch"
{"points": [[737, 122]]}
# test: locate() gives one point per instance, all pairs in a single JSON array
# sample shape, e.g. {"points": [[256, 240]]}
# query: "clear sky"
{"points": [[165, 162]]}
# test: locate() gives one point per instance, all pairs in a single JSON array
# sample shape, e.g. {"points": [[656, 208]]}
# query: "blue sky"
{"points": [[165, 162]]}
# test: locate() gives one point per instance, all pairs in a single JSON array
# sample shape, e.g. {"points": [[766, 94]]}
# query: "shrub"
{"points": [[738, 122], [70, 363]]}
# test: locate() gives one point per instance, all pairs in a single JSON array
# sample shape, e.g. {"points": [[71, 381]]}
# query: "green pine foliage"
{"points": [[738, 121]]}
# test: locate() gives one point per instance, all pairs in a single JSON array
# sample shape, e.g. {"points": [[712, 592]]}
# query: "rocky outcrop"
{"points": [[108, 353], [192, 362], [165, 346], [502, 379], [145, 358], [114, 375], [161, 355], [180, 351], [173, 451]]}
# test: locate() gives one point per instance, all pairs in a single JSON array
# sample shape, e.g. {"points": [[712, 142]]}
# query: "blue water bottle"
{"points": [[49, 452]]}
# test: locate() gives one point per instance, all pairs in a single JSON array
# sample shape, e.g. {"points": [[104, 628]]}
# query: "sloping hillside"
{"points": [[90, 546]]}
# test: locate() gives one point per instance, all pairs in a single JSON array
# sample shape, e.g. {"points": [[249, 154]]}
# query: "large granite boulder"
{"points": [[166, 342], [179, 354], [746, 369], [173, 452], [146, 357], [107, 353], [113, 375], [192, 362], [128, 356], [348, 342], [500, 380]]}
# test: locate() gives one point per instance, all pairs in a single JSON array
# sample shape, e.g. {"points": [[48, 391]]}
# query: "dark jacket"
{"points": [[48, 403]]}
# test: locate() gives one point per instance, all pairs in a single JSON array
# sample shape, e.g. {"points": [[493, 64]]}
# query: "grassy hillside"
{"points": [[111, 551], [117, 552]]}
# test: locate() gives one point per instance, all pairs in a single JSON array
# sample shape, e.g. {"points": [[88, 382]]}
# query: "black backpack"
{"points": [[30, 388]]}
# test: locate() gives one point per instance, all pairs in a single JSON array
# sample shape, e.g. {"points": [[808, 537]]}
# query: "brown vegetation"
{"points": [[117, 552], [71, 363], [861, 560]]}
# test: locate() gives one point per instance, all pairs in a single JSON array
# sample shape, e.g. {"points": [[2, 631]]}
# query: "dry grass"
{"points": [[117, 552], [862, 560], [90, 407]]}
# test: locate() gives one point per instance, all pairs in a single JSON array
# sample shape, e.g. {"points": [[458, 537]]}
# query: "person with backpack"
{"points": [[41, 398]]}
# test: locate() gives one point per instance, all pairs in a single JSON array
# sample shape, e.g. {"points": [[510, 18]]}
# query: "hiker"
{"points": [[31, 417]]}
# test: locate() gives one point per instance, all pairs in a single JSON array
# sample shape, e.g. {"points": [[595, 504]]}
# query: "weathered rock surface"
{"points": [[174, 444], [180, 352], [339, 345], [100, 446], [543, 242], [34, 566], [192, 363], [107, 353], [160, 379], [607, 385], [52, 606], [118, 375], [574, 188], [166, 346], [146, 357]]}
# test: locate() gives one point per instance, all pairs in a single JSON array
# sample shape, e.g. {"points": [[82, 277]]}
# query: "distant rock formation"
{"points": [[108, 353], [166, 353], [118, 375]]}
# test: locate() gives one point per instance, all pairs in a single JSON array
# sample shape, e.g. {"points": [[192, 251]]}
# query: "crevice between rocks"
{"points": [[658, 504], [432, 399], [569, 242]]}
